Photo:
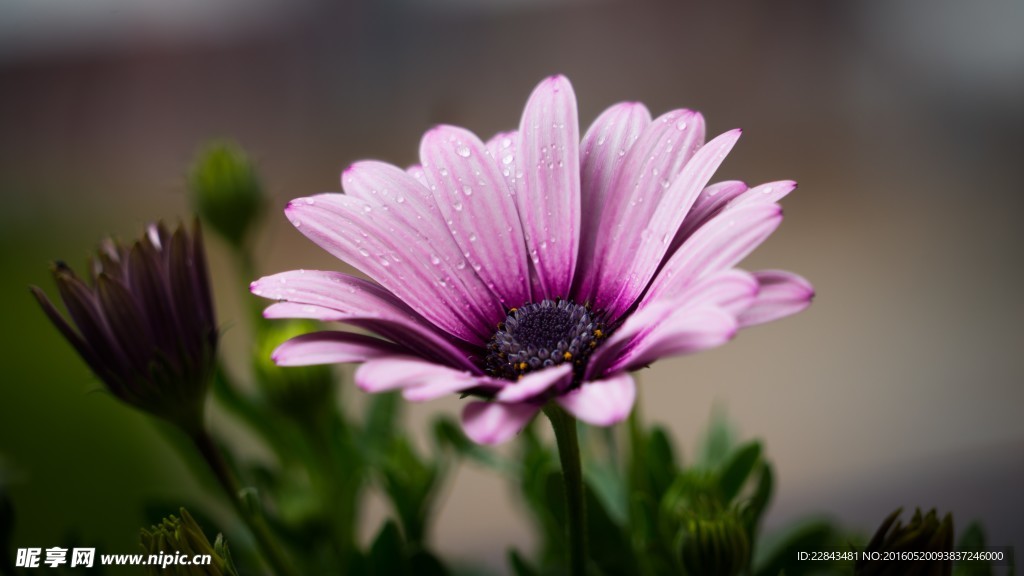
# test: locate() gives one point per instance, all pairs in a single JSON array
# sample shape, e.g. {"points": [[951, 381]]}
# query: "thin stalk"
{"points": [[564, 426], [269, 549]]}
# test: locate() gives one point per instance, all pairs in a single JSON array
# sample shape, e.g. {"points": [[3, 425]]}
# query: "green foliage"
{"points": [[647, 512]]}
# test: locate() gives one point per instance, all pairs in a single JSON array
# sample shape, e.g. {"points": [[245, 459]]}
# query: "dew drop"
{"points": [[681, 125], [310, 201], [364, 252], [467, 190], [508, 159], [443, 171], [367, 208], [461, 265], [457, 206], [434, 259], [463, 151], [472, 237]]}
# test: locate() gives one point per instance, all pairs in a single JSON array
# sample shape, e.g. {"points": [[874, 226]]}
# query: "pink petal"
{"points": [[727, 196], [682, 332], [602, 156], [782, 294], [602, 402], [413, 261], [627, 268], [708, 203], [420, 379], [729, 290], [495, 422], [732, 290], [332, 347], [536, 383], [503, 147], [768, 193], [549, 194], [719, 244], [334, 296], [480, 210]]}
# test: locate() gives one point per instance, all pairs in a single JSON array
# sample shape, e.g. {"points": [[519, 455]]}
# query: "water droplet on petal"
{"points": [[467, 190], [681, 125], [463, 151]]}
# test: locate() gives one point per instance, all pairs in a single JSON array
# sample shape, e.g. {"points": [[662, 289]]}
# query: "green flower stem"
{"points": [[564, 426], [273, 555]]}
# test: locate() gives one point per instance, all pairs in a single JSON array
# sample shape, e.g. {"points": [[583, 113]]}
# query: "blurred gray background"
{"points": [[902, 120]]}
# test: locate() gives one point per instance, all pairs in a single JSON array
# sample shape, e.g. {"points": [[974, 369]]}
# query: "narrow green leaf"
{"points": [[386, 554], [737, 469], [519, 565]]}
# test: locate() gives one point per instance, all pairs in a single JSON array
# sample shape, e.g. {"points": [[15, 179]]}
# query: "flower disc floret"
{"points": [[544, 334]]}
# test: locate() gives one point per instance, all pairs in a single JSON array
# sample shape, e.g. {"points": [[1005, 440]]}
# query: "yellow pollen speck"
{"points": [[522, 365], [512, 310], [598, 333], [567, 356], [592, 343]]}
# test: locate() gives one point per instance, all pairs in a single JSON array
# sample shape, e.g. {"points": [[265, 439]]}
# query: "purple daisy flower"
{"points": [[536, 267]]}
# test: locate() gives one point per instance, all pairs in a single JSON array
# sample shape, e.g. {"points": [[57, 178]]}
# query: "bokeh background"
{"points": [[902, 120]]}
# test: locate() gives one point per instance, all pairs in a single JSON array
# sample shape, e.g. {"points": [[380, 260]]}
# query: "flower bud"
{"points": [[923, 534], [713, 544], [178, 542], [144, 322], [226, 190]]}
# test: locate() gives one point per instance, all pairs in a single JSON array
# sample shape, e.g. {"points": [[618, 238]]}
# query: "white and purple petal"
{"points": [[781, 294], [628, 267], [339, 297], [548, 197], [333, 347], [601, 402], [718, 245], [496, 422], [476, 203], [603, 153]]}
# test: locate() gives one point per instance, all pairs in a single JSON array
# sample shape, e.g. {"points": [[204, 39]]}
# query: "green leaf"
{"points": [[382, 420], [386, 553], [409, 483], [779, 552], [754, 509], [448, 434], [519, 565], [424, 563], [609, 545], [737, 469], [972, 539], [719, 439], [662, 464]]}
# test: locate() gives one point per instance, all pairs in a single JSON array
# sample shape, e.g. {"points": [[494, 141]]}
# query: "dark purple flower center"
{"points": [[548, 333]]}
